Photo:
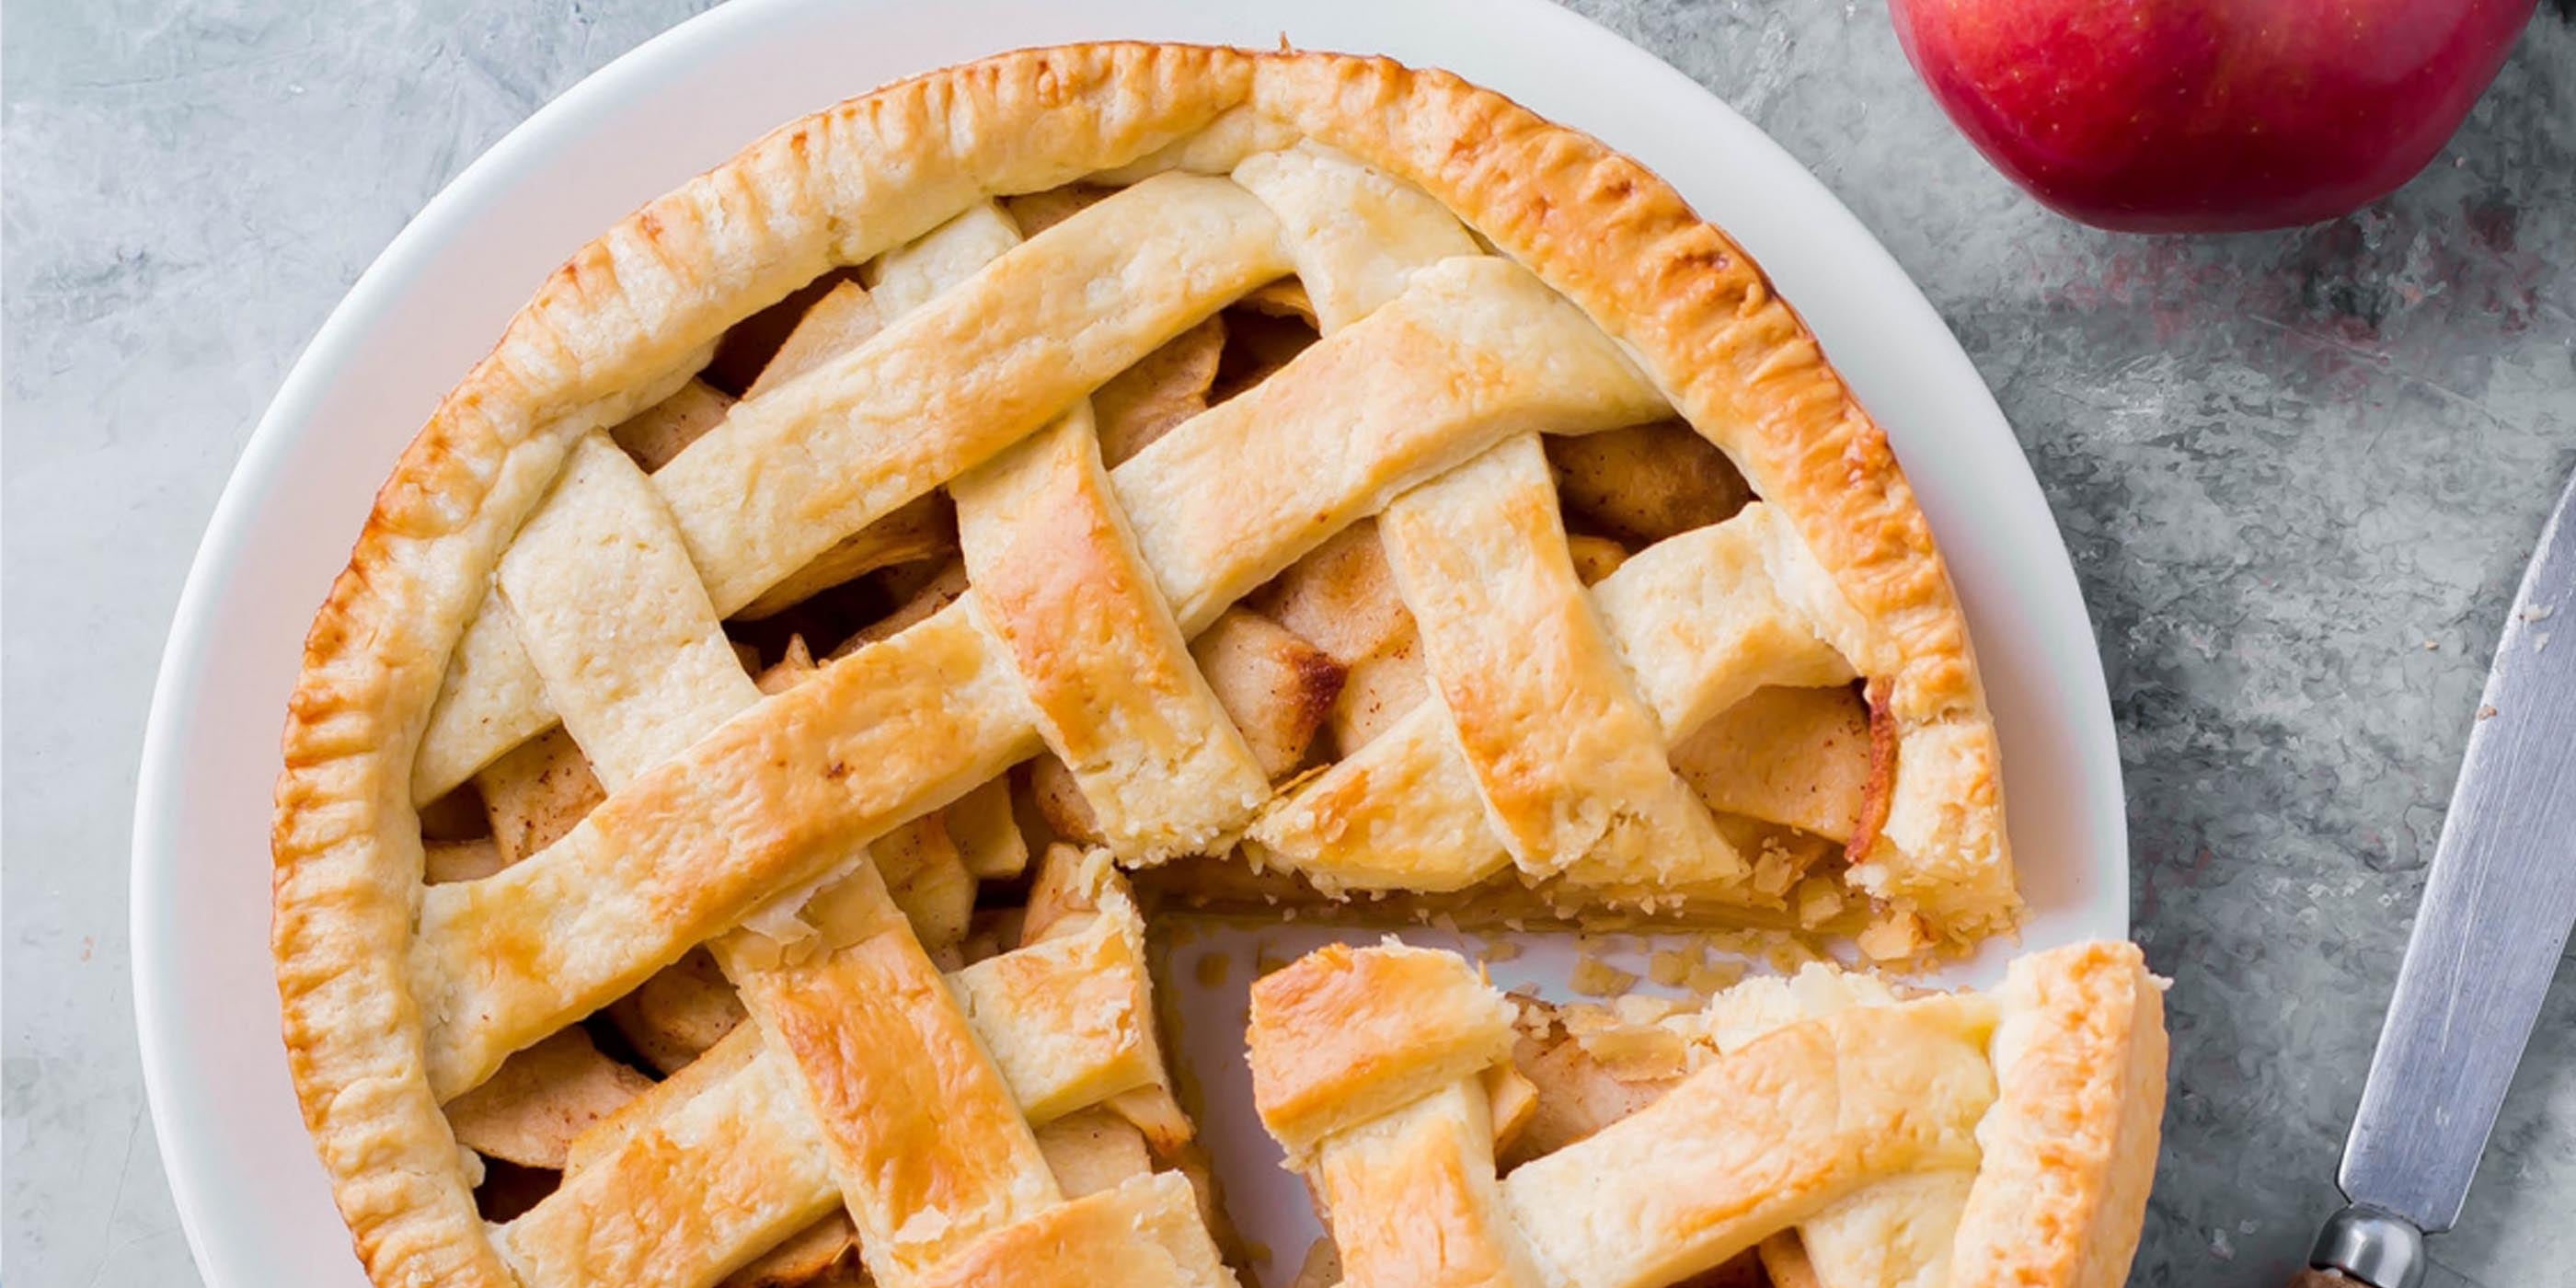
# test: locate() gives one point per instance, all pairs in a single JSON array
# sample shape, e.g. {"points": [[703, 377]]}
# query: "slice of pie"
{"points": [[704, 852], [1823, 1130]]}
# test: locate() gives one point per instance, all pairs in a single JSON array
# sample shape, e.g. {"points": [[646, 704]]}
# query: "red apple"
{"points": [[2208, 115]]}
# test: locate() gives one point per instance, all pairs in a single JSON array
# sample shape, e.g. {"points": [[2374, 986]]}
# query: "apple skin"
{"points": [[2208, 115]]}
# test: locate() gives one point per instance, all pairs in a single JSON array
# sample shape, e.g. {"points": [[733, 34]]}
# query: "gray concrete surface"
{"points": [[2299, 473]]}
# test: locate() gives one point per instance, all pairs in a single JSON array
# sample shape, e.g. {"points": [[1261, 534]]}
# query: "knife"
{"points": [[2488, 935]]}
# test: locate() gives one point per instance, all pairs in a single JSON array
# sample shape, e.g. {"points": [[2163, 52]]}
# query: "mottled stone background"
{"points": [[2299, 473]]}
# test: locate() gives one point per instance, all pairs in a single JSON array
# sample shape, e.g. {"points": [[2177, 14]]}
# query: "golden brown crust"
{"points": [[1145, 1233], [1737, 362], [916, 1118], [1757, 1139], [1857, 1137], [1568, 758], [723, 1158], [1343, 1035], [1059, 585], [683, 1183], [1413, 1198], [2070, 1150], [625, 321]]}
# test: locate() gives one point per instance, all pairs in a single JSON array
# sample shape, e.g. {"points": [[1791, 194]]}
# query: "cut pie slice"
{"points": [[1844, 1134], [714, 788]]}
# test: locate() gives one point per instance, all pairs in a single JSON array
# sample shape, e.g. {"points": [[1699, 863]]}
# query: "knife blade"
{"points": [[2496, 911]]}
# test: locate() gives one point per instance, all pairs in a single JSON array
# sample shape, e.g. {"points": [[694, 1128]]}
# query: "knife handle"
{"points": [[2365, 1247]]}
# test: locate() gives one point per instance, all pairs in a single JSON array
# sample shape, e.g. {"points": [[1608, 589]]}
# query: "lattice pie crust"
{"points": [[1840, 1134], [1286, 478]]}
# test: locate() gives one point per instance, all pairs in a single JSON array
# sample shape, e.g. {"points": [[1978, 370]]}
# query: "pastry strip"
{"points": [[1414, 1200], [1741, 368], [1367, 1067], [1891, 1234], [1758, 1140], [708, 1185], [912, 275], [1568, 760], [1144, 1233], [1697, 627], [2069, 1153], [1474, 351], [1068, 1020], [1059, 586], [1058, 583], [603, 598], [1356, 235], [1701, 622], [670, 676], [1045, 491], [941, 1171], [1342, 1036], [955, 380], [766, 803], [926, 1143], [1063, 1020], [793, 471]]}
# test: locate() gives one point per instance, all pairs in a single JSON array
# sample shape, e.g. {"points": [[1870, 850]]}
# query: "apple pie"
{"points": [[727, 790]]}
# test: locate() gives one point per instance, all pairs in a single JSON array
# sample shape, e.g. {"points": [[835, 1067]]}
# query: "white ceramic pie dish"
{"points": [[255, 1203]]}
